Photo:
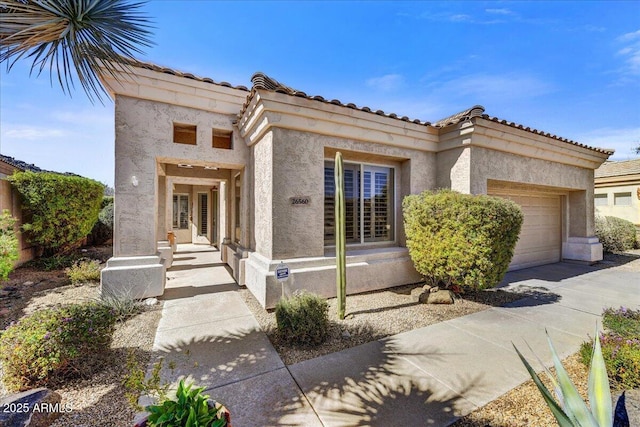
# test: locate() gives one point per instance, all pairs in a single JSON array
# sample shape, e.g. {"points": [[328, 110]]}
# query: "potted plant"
{"points": [[191, 408]]}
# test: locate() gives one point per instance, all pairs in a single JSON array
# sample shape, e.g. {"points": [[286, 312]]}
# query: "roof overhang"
{"points": [[267, 109], [492, 135]]}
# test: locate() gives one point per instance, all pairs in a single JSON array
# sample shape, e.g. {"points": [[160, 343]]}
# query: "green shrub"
{"points": [[8, 244], [62, 208], [615, 234], [103, 229], [52, 344], [84, 271], [461, 239], [122, 304], [620, 347], [303, 319]]}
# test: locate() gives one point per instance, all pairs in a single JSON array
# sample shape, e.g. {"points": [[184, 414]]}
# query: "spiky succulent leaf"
{"points": [[599, 391]]}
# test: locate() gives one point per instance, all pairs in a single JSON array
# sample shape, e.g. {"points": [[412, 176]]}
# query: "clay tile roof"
{"points": [[475, 111], [165, 70], [262, 81], [19, 164], [626, 167], [547, 134]]}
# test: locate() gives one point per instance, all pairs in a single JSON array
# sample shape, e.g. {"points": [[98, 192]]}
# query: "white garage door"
{"points": [[540, 239]]}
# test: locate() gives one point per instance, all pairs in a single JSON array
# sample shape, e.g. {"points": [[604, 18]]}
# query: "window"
{"points": [[369, 203], [184, 134], [221, 139], [600, 199], [181, 211], [622, 199], [203, 210]]}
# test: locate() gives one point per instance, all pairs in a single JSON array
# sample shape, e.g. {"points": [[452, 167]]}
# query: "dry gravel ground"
{"points": [[98, 399], [374, 315]]}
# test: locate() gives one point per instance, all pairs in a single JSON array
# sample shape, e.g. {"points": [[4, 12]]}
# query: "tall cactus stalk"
{"points": [[340, 232]]}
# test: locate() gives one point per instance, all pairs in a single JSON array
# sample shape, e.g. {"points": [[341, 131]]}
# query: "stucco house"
{"points": [[10, 200], [250, 170], [617, 190]]}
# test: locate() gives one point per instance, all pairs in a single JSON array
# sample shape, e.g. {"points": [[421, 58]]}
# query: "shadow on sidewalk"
{"points": [[379, 386]]}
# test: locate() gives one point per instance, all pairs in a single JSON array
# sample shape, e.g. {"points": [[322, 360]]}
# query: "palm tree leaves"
{"points": [[88, 37]]}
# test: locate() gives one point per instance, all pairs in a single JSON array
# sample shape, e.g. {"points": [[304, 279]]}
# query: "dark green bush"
{"points": [[8, 244], [62, 208], [620, 347], [615, 234], [460, 239], [103, 229], [52, 344], [303, 319]]}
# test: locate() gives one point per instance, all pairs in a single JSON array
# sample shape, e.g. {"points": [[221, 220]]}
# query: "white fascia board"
{"points": [[307, 115]]}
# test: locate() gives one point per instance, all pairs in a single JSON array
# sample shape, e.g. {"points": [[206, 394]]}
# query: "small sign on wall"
{"points": [[300, 201]]}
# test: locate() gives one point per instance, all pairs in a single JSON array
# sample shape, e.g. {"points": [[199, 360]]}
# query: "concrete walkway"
{"points": [[428, 376]]}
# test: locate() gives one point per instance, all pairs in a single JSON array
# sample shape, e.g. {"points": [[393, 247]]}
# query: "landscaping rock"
{"points": [[415, 292], [441, 297], [34, 408], [434, 289], [151, 301]]}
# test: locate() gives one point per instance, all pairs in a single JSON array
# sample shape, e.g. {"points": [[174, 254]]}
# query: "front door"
{"points": [[181, 218]]}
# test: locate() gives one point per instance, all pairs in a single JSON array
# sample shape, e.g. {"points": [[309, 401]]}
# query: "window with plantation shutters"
{"points": [[203, 211], [369, 203]]}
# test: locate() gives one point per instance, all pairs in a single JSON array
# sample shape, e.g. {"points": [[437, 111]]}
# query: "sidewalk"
{"points": [[427, 376]]}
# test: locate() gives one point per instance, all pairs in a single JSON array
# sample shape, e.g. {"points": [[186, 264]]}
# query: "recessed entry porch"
{"points": [[197, 270]]}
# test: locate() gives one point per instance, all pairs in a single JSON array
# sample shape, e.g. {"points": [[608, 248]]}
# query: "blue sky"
{"points": [[568, 68]]}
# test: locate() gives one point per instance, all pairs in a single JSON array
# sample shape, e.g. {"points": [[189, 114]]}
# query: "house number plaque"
{"points": [[300, 201]]}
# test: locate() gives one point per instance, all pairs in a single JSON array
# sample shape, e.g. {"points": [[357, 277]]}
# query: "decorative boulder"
{"points": [[33, 408], [439, 297]]}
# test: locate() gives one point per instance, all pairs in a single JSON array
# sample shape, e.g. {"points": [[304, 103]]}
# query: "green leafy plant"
{"points": [[137, 383], [62, 208], [54, 344], [190, 409], [570, 410], [461, 239], [615, 234], [341, 248], [620, 347], [84, 271], [8, 244], [303, 319]]}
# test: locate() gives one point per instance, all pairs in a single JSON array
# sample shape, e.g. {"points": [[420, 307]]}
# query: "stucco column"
{"points": [[581, 244]]}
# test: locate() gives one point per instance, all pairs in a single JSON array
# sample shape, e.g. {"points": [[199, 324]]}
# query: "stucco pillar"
{"points": [[136, 270], [581, 244]]}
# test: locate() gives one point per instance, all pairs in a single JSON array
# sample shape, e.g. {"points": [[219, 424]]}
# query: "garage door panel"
{"points": [[540, 239]]}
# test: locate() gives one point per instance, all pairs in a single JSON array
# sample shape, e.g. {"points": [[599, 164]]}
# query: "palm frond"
{"points": [[85, 37]]}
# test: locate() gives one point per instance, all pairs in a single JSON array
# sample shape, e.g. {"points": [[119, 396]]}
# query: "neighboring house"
{"points": [[617, 190], [251, 171], [10, 200]]}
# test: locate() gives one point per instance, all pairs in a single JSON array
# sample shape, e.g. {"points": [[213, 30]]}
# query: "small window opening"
{"points": [[184, 134], [221, 139]]}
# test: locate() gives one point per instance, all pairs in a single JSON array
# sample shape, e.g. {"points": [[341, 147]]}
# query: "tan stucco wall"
{"points": [[263, 195], [630, 213], [454, 169], [144, 136], [298, 170]]}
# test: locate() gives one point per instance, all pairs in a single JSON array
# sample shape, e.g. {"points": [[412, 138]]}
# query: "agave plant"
{"points": [[571, 410], [88, 37]]}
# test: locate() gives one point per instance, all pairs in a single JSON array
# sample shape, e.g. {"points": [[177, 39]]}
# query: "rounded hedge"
{"points": [[461, 239], [615, 234], [53, 344]]}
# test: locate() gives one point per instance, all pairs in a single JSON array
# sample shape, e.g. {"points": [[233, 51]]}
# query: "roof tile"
{"points": [[620, 168]]}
